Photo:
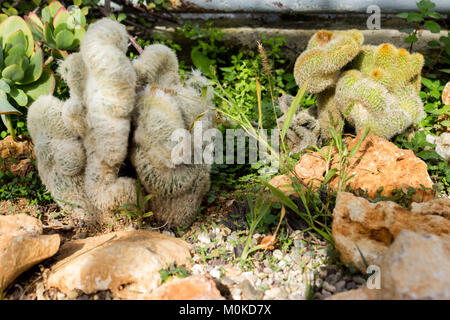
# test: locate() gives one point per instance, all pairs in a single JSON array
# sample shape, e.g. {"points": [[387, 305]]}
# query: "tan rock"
{"points": [[377, 163], [371, 227], [127, 263], [191, 288], [416, 266], [446, 94], [17, 156], [22, 246]]}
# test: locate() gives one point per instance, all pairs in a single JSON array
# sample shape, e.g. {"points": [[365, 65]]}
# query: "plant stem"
{"points": [[10, 128]]}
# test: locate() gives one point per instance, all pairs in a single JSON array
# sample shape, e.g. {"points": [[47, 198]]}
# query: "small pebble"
{"points": [[319, 282], [72, 294], [298, 243], [61, 296], [204, 238], [325, 294], [359, 280], [272, 294], [215, 273], [278, 254], [329, 287], [267, 270], [227, 281], [168, 233], [340, 285], [350, 285], [236, 293]]}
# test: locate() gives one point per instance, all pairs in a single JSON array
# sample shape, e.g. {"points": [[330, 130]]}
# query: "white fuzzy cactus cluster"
{"points": [[82, 143]]}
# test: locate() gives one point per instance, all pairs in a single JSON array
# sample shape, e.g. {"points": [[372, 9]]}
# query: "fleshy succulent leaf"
{"points": [[13, 58], [63, 20], [3, 17], [35, 68], [13, 72], [45, 14], [24, 63], [59, 54], [4, 86], [5, 106], [19, 96], [53, 7], [12, 25], [15, 39], [35, 19], [64, 39], [36, 25], [78, 35], [79, 17], [48, 35], [18, 50], [44, 85]]}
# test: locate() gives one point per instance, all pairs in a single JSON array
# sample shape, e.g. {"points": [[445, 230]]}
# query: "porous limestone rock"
{"points": [[190, 288], [22, 245], [446, 94], [416, 266], [377, 163], [443, 145], [21, 153], [127, 263], [372, 227]]}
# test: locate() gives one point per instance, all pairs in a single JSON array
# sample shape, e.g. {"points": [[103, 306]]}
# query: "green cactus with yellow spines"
{"points": [[381, 92], [325, 55], [328, 113]]}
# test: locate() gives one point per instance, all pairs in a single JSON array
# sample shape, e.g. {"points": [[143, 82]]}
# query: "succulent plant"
{"points": [[23, 74], [84, 140], [382, 91], [168, 105], [325, 55], [58, 27]]}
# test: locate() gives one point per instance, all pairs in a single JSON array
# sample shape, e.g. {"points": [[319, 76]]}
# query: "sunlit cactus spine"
{"points": [[326, 54], [382, 91]]}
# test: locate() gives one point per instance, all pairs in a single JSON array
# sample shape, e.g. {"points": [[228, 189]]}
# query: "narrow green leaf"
{"points": [[329, 176], [356, 147], [282, 197], [294, 105]]}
